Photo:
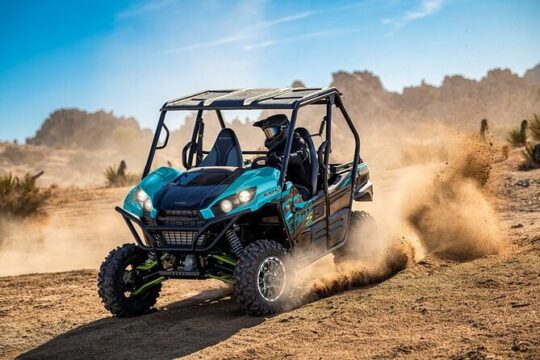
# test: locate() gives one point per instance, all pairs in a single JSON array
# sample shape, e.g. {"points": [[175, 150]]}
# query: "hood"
{"points": [[196, 188]]}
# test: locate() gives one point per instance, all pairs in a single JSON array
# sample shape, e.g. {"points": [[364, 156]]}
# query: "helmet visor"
{"points": [[270, 132]]}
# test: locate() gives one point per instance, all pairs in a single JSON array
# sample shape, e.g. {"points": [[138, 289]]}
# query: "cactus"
{"points": [[523, 129], [484, 128], [122, 168]]}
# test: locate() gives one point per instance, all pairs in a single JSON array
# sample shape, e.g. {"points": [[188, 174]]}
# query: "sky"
{"points": [[130, 57]]}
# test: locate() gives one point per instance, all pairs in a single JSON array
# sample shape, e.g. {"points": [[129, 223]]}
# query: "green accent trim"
{"points": [[224, 258], [150, 264], [226, 279], [147, 265], [148, 285]]}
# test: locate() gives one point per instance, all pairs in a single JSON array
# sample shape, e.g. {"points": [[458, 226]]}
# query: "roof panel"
{"points": [[245, 98]]}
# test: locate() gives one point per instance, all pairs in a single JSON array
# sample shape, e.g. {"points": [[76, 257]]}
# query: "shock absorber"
{"points": [[234, 242]]}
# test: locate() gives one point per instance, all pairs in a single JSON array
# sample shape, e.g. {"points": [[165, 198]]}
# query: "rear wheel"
{"points": [[263, 278], [119, 279], [362, 233]]}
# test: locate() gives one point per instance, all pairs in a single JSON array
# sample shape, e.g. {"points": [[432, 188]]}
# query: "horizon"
{"points": [[130, 57]]}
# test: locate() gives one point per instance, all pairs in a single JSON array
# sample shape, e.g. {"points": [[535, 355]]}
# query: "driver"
{"points": [[275, 129]]}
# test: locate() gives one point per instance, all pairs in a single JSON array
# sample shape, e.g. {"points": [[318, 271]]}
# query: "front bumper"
{"points": [[198, 243]]}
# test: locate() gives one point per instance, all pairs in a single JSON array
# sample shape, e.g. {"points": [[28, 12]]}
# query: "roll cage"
{"points": [[256, 99]]}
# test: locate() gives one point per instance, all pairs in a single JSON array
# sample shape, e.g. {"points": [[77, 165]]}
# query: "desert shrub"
{"points": [[517, 137], [534, 126], [21, 196], [118, 176], [531, 157]]}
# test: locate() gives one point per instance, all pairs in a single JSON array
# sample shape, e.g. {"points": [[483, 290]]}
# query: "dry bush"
{"points": [[118, 177], [534, 126], [20, 196], [531, 157], [517, 138]]}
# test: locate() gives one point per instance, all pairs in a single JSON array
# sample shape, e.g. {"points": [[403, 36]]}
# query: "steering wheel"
{"points": [[255, 163]]}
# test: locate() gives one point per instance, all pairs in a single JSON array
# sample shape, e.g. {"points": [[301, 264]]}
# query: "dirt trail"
{"points": [[488, 307]]}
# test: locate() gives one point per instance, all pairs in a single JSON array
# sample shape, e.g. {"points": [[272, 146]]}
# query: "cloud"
{"points": [[284, 19], [251, 30], [208, 44], [427, 8], [298, 38], [235, 39], [143, 8]]}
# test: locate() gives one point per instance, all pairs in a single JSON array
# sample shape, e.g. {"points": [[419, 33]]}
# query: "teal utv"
{"points": [[237, 220]]}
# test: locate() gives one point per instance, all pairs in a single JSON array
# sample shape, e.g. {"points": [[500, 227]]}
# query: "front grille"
{"points": [[180, 218], [181, 238]]}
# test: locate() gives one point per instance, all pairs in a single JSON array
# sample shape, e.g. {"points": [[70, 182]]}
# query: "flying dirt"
{"points": [[417, 223]]}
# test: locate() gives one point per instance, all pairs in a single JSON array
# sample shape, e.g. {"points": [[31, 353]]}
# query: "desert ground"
{"points": [[435, 306]]}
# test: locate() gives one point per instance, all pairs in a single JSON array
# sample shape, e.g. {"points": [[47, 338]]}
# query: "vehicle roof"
{"points": [[250, 98]]}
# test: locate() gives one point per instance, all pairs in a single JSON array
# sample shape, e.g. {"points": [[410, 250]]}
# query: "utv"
{"points": [[236, 220]]}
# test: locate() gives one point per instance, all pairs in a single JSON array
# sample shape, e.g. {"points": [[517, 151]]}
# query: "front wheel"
{"points": [[120, 282], [263, 278]]}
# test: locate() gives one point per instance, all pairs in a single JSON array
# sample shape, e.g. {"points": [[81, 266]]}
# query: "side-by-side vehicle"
{"points": [[234, 219]]}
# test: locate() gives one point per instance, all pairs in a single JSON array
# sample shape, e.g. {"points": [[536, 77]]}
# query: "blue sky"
{"points": [[131, 56]]}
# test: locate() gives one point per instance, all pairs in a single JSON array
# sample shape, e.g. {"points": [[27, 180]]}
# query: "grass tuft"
{"points": [[531, 157], [21, 196], [517, 138], [534, 126], [118, 177]]}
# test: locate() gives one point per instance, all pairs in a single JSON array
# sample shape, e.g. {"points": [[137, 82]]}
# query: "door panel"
{"points": [[340, 199], [338, 226]]}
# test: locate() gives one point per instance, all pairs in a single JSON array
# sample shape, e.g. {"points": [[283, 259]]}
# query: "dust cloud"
{"points": [[429, 199], [74, 239], [449, 210]]}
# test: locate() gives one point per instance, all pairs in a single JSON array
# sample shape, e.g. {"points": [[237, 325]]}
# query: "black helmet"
{"points": [[275, 129]]}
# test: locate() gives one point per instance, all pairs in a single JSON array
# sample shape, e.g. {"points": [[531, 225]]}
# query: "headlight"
{"points": [[141, 196], [143, 199], [228, 204], [148, 204], [244, 196]]}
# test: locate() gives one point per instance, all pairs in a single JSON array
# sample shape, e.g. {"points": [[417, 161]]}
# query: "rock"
{"points": [[523, 183], [516, 226], [521, 346]]}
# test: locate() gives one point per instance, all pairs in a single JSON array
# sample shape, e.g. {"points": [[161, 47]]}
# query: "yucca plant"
{"points": [[518, 137], [531, 157], [534, 126], [20, 196], [117, 177]]}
